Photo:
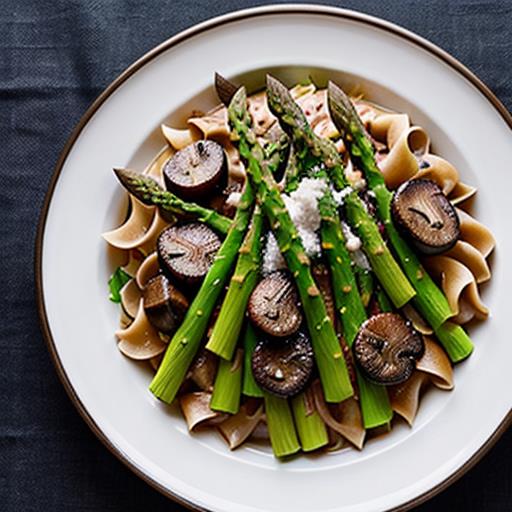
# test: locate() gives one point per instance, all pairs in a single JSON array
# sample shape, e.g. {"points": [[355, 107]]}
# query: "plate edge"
{"points": [[117, 82]]}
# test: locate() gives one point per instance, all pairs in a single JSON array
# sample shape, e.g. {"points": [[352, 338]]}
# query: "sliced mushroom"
{"points": [[196, 170], [273, 305], [187, 251], [283, 367], [425, 214], [387, 348], [164, 304]]}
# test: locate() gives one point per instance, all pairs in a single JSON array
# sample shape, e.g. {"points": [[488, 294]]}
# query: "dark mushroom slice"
{"points": [[187, 251], [197, 170], [164, 304], [283, 367], [274, 305], [387, 348], [424, 213], [225, 89]]}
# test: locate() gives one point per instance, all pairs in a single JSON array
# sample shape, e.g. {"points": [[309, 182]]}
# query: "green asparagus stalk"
{"points": [[281, 428], [374, 401], [249, 386], [187, 339], [430, 300], [365, 283], [328, 354], [311, 152], [310, 426], [346, 294], [228, 384], [226, 330], [149, 192], [383, 301]]}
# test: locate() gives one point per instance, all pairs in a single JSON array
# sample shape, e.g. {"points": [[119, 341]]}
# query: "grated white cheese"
{"points": [[302, 205], [339, 195], [352, 242], [272, 257], [234, 199]]}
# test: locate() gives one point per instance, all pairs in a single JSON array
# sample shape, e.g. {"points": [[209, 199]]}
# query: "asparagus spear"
{"points": [[228, 383], [187, 339], [249, 386], [281, 428], [328, 354], [312, 152], [310, 426], [149, 192], [429, 300], [227, 328]]}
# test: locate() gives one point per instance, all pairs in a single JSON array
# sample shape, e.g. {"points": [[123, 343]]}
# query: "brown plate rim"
{"points": [[147, 57]]}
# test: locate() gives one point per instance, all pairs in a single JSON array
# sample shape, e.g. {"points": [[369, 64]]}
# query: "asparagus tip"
{"points": [[342, 109], [284, 107], [136, 183], [225, 88]]}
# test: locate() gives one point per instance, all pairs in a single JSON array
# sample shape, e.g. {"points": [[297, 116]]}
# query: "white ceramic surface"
{"points": [[464, 127]]}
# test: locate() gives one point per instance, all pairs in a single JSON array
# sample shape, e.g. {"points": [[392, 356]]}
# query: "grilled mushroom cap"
{"points": [[273, 305], [165, 305], [197, 170], [187, 251], [424, 213], [387, 348], [283, 367]]}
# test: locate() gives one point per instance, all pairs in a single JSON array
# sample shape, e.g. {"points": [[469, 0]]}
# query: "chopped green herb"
{"points": [[117, 280]]}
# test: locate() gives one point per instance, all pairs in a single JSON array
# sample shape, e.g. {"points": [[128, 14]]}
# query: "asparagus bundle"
{"points": [[311, 152], [149, 192], [328, 354], [429, 299], [374, 400], [186, 341]]}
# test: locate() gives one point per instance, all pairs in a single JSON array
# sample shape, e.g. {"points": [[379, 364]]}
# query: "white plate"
{"points": [[467, 125]]}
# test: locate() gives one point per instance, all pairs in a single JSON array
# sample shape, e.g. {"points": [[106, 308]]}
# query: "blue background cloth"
{"points": [[55, 58]]}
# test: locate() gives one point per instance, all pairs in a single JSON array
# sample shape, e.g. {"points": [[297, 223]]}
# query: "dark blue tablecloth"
{"points": [[55, 58]]}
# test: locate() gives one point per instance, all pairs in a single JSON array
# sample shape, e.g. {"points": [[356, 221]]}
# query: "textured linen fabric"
{"points": [[55, 58]]}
